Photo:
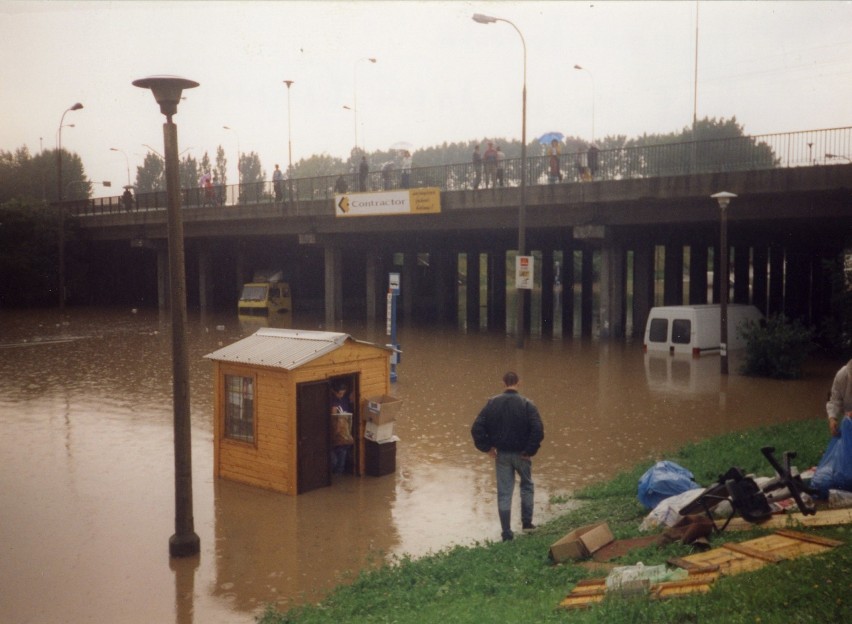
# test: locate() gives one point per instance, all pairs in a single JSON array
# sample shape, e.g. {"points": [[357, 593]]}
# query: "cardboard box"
{"points": [[581, 543], [379, 433], [383, 409]]}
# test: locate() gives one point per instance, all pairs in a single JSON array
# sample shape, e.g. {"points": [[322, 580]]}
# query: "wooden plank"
{"points": [[824, 517], [807, 537], [744, 549]]}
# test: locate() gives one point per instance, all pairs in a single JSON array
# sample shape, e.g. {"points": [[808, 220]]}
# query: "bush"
{"points": [[777, 348]]}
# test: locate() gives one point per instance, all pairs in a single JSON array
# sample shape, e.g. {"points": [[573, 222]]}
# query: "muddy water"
{"points": [[87, 486]]}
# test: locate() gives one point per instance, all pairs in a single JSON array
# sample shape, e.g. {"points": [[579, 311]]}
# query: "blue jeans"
{"points": [[506, 465]]}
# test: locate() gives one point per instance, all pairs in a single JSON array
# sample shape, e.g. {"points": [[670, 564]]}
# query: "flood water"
{"points": [[87, 486]]}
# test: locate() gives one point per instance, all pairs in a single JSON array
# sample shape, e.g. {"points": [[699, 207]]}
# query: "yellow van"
{"points": [[265, 298]]}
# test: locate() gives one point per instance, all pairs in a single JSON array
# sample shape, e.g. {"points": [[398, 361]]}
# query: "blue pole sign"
{"points": [[393, 295]]}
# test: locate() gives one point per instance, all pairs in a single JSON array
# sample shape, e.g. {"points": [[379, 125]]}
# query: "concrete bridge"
{"points": [[606, 250]]}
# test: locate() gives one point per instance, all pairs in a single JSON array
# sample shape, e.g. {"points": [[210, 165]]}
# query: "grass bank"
{"points": [[515, 581]]}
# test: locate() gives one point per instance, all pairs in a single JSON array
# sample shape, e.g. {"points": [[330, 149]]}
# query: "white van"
{"points": [[696, 329]]}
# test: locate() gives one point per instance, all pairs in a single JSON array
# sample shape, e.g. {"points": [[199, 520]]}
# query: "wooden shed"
{"points": [[271, 425]]}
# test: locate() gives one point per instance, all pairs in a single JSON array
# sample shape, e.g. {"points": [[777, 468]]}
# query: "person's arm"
{"points": [[536, 431], [834, 405], [479, 433]]}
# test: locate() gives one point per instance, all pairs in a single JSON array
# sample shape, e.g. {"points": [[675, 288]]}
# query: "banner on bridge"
{"points": [[406, 201]]}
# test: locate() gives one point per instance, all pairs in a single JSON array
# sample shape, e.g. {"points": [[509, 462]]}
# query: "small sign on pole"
{"points": [[524, 272], [393, 295]]}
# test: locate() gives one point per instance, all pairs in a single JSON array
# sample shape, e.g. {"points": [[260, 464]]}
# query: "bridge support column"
{"points": [[408, 287], [547, 286], [567, 302], [697, 274], [776, 280], [742, 262], [333, 286], [612, 288], [673, 280], [445, 283], [758, 292], [472, 290], [497, 290], [797, 294], [372, 262], [162, 278], [587, 282], [643, 285], [204, 281]]}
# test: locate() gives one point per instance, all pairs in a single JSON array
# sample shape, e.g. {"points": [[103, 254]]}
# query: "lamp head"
{"points": [[288, 83], [483, 19], [724, 198], [578, 67], [76, 106], [167, 90], [371, 59]]}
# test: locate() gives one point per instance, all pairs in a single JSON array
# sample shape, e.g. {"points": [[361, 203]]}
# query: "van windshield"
{"points": [[253, 293]]}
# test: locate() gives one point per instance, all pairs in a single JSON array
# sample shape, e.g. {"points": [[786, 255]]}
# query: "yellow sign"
{"points": [[410, 201]]}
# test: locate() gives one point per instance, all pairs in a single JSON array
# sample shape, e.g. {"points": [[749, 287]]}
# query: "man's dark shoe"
{"points": [[507, 537], [529, 526]]}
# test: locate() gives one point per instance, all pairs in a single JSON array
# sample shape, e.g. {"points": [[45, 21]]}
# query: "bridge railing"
{"points": [[742, 153]]}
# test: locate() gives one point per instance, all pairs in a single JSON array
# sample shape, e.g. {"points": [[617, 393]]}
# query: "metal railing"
{"points": [[747, 153]]}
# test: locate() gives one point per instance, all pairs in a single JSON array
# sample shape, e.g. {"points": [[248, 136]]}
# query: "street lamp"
{"points": [[355, 93], [75, 107], [591, 75], [724, 198], [185, 541], [239, 173], [486, 19], [126, 161], [289, 84]]}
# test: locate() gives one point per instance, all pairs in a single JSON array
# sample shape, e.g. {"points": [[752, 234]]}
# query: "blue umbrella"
{"points": [[545, 139]]}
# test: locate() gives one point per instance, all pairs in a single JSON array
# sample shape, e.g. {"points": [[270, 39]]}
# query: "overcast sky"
{"points": [[439, 76]]}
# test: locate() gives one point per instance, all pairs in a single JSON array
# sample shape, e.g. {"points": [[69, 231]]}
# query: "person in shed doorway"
{"points": [[341, 426]]}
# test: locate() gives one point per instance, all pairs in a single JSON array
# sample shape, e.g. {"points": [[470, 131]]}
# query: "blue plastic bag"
{"points": [[834, 471], [664, 479]]}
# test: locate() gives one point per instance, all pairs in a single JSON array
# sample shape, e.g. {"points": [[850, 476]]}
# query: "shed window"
{"points": [[239, 408]]}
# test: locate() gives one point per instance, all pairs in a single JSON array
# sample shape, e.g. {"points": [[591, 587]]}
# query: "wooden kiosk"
{"points": [[271, 415]]}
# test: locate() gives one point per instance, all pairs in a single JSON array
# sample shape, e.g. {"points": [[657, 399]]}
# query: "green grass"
{"points": [[516, 582]]}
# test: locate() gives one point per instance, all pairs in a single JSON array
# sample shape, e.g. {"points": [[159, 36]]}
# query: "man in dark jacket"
{"points": [[509, 429]]}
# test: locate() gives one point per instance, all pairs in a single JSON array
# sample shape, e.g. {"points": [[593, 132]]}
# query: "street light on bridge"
{"points": [[724, 198], [76, 106], [126, 162], [289, 84], [185, 542], [239, 173], [522, 244], [592, 76]]}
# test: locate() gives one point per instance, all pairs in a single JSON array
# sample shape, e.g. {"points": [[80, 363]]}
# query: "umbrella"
{"points": [[545, 139], [403, 146]]}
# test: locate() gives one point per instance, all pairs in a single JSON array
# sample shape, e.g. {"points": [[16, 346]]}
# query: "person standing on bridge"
{"points": [[490, 159], [477, 167], [278, 184], [510, 431], [363, 172]]}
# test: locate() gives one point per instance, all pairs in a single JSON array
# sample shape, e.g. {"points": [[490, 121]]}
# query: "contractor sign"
{"points": [[408, 201]]}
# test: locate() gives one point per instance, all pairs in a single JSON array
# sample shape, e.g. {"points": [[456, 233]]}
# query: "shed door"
{"points": [[313, 437]]}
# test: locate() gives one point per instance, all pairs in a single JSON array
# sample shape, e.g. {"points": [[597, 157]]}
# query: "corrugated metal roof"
{"points": [[281, 348]]}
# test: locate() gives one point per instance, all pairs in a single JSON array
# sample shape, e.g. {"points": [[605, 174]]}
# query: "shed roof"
{"points": [[282, 348]]}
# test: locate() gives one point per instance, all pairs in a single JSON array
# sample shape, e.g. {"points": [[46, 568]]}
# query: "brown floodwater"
{"points": [[87, 486]]}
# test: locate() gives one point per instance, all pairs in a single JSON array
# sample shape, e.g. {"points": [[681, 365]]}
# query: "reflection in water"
{"points": [[87, 490]]}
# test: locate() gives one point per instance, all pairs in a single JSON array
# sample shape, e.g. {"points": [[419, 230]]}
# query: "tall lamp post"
{"points": [[522, 208], [126, 162], [185, 541], [76, 106], [592, 76], [724, 198], [289, 84], [355, 93]]}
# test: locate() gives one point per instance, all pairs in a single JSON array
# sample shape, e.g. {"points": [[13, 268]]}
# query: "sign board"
{"points": [[403, 201], [393, 283], [524, 275]]}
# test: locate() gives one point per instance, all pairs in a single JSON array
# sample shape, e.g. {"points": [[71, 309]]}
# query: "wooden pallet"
{"points": [[704, 568], [824, 517]]}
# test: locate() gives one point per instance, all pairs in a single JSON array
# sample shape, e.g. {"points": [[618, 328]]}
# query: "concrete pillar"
{"points": [[371, 269], [567, 279], [204, 281], [162, 278], [408, 285], [472, 290], [333, 286], [742, 262], [547, 292], [698, 274], [643, 285], [445, 283], [776, 280], [673, 275], [587, 294], [759, 268], [797, 292], [611, 313], [497, 290]]}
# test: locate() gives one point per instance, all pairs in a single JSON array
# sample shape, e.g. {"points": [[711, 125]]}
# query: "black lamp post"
{"points": [[724, 198], [185, 541], [522, 208], [76, 106]]}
